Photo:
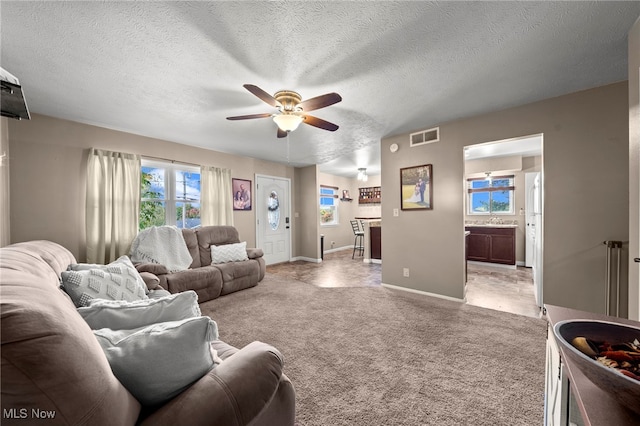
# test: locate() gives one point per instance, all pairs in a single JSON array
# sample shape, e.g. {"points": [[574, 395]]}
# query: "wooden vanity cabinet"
{"points": [[495, 245]]}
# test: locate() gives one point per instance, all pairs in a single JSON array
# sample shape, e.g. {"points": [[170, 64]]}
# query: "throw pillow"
{"points": [[121, 261], [157, 362], [113, 282], [236, 252], [120, 314]]}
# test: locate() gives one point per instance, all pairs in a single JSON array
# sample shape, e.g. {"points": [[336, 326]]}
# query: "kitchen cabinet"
{"points": [[376, 242], [492, 244]]}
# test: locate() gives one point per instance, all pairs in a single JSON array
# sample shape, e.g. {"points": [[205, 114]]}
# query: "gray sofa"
{"points": [[53, 365], [207, 280]]}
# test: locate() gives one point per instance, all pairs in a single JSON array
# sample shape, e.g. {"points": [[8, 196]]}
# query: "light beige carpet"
{"points": [[374, 356]]}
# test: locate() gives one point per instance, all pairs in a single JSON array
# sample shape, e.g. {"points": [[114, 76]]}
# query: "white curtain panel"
{"points": [[113, 204], [216, 196]]}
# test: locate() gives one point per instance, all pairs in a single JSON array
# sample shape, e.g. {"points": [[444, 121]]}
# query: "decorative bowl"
{"points": [[625, 390]]}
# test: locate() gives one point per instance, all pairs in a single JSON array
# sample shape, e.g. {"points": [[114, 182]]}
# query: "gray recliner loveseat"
{"points": [[209, 280]]}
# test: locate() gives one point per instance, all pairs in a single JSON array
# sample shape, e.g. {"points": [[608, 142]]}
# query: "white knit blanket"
{"points": [[164, 245]]}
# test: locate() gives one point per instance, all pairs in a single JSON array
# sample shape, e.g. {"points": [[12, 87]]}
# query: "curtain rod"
{"points": [[149, 157]]}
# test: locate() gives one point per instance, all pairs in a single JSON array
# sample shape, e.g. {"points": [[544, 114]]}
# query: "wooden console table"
{"points": [[570, 397]]}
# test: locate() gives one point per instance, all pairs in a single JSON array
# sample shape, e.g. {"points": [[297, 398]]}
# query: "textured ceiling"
{"points": [[175, 70]]}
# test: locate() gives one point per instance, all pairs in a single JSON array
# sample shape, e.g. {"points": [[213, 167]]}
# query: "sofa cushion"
{"points": [[120, 314], [121, 261], [114, 282], [236, 252], [239, 275], [157, 362], [191, 240], [214, 235], [206, 281], [44, 259], [51, 360]]}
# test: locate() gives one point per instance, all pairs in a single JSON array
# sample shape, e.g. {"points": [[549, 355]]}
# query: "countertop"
{"points": [[595, 405]]}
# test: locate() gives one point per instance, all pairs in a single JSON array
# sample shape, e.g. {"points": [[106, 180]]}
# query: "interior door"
{"points": [[273, 233]]}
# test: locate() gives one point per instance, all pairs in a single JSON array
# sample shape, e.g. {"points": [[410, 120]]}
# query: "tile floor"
{"points": [[487, 286], [502, 289]]}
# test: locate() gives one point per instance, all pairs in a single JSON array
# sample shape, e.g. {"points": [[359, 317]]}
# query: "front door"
{"points": [[273, 227]]}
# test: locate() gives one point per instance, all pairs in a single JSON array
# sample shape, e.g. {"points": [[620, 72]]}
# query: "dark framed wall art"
{"points": [[241, 194], [416, 187]]}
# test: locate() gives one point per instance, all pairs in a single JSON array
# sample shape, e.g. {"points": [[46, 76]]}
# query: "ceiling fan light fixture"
{"points": [[287, 122]]}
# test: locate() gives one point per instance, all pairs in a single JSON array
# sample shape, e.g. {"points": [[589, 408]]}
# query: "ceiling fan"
{"points": [[292, 109]]}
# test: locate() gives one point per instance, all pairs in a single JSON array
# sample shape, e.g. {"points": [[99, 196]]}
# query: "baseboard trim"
{"points": [[497, 265], [333, 250], [424, 293], [377, 261], [305, 259]]}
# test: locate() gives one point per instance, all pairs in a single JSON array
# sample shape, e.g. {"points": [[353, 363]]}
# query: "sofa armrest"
{"points": [[233, 393], [255, 253], [154, 268]]}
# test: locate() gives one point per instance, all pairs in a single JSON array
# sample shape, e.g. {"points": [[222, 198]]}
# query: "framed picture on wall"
{"points": [[416, 187], [241, 194]]}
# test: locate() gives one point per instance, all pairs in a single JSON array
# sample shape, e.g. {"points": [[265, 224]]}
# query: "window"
{"points": [[328, 205], [490, 195], [169, 195]]}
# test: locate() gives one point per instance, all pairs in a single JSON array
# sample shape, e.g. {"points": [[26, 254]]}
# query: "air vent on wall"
{"points": [[424, 137]]}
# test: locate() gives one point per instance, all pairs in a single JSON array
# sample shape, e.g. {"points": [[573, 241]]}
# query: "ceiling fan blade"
{"points": [[281, 133], [319, 123], [250, 116], [262, 95], [320, 102]]}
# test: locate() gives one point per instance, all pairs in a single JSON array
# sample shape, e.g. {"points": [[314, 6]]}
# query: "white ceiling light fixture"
{"points": [[362, 174], [287, 122]]}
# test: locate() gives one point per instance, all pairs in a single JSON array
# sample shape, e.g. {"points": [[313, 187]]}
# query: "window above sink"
{"points": [[491, 196]]}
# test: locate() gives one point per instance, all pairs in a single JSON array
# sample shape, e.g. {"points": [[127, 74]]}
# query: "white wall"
{"points": [[48, 176], [585, 152]]}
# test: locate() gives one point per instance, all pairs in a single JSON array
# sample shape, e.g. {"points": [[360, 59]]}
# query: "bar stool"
{"points": [[358, 242]]}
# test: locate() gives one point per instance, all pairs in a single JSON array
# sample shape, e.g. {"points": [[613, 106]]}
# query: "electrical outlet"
{"points": [[405, 272]]}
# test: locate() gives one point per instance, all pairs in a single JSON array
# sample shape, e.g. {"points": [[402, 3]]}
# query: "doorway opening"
{"points": [[503, 222]]}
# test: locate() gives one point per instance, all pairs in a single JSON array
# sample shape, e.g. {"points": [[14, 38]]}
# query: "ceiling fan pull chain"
{"points": [[288, 148]]}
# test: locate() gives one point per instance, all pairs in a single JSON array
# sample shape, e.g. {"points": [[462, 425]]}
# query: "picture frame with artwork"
{"points": [[416, 187], [241, 193]]}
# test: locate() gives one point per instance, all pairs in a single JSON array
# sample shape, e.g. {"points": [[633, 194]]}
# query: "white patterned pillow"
{"points": [[236, 252], [113, 282], [122, 260]]}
